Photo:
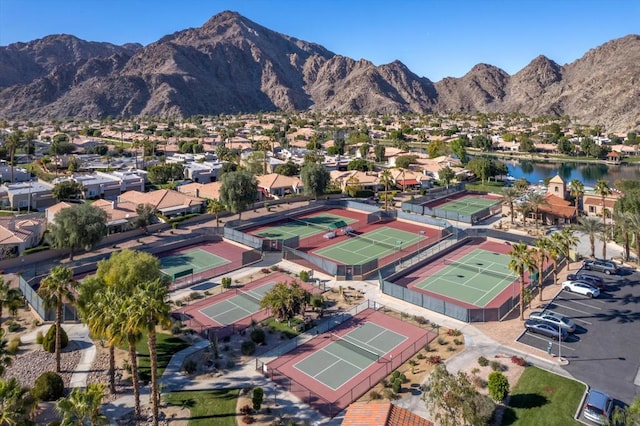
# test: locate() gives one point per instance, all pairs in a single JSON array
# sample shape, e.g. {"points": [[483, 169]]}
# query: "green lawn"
{"points": [[166, 344], [543, 398], [208, 407]]}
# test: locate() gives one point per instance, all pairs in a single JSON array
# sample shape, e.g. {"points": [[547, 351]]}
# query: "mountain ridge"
{"points": [[232, 65]]}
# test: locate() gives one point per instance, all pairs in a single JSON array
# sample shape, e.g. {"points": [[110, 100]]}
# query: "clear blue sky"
{"points": [[434, 38]]}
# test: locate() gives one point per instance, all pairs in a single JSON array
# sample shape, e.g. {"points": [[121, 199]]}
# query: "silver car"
{"points": [[554, 318]]}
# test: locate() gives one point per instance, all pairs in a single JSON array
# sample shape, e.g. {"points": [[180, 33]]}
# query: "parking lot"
{"points": [[603, 351]]}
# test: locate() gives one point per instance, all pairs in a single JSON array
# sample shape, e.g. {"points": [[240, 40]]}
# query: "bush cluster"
{"points": [[48, 387], [49, 340]]}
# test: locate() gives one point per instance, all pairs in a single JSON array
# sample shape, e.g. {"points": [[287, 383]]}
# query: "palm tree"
{"points": [[12, 143], [535, 200], [215, 207], [622, 228], [96, 305], [55, 290], [555, 251], [602, 188], [6, 359], [509, 197], [521, 261], [151, 309], [590, 226], [146, 213], [569, 242], [634, 227], [29, 137], [386, 179], [82, 406], [286, 301], [605, 237], [543, 247], [17, 405], [576, 189], [4, 295]]}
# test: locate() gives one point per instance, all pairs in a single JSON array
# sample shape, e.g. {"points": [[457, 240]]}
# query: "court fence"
{"points": [[385, 366], [434, 194]]}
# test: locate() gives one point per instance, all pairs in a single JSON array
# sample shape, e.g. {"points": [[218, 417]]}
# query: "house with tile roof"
{"points": [[275, 185], [209, 190], [121, 215], [18, 233], [366, 180], [592, 204], [381, 414], [167, 202]]}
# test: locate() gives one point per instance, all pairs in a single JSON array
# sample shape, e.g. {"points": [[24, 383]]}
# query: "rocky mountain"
{"points": [[232, 64]]}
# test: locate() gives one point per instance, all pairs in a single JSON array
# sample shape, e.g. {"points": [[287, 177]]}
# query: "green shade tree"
{"points": [[215, 207], [238, 191], [315, 179], [145, 216], [405, 161], [288, 169], [379, 152], [68, 190], [56, 289], [446, 175], [160, 174], [80, 226], [360, 165]]}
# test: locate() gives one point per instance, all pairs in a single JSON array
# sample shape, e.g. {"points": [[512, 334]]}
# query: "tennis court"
{"points": [[469, 205], [360, 249], [477, 278], [305, 226], [190, 262], [348, 355], [242, 305]]}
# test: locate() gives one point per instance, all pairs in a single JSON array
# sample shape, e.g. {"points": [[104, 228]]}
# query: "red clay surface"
{"points": [[458, 196], [194, 319], [327, 400]]}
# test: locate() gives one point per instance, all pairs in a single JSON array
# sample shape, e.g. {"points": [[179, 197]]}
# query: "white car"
{"points": [[581, 287], [554, 318]]}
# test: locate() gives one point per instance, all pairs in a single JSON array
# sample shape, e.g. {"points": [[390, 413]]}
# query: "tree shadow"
{"points": [[527, 400]]}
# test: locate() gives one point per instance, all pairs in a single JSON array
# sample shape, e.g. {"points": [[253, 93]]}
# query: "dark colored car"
{"points": [[598, 407], [599, 265], [587, 278], [546, 329]]}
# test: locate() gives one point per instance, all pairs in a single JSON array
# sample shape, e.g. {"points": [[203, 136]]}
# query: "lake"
{"points": [[588, 173]]}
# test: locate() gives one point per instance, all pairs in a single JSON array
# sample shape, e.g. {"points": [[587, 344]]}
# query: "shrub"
{"points": [[397, 385], [403, 378], [247, 347], [498, 386], [457, 342], [39, 337], [230, 364], [49, 341], [257, 336], [395, 375], [420, 320], [195, 295], [441, 341], [454, 332], [373, 395], [258, 397], [420, 356], [304, 276], [497, 366], [518, 360], [274, 268], [265, 271], [48, 387], [247, 420], [13, 326], [483, 362], [479, 382], [226, 282], [451, 348], [14, 345], [434, 359], [246, 409], [389, 394]]}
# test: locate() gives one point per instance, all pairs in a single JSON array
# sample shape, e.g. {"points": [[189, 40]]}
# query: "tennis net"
{"points": [[486, 271], [314, 225], [375, 242], [248, 296], [342, 341]]}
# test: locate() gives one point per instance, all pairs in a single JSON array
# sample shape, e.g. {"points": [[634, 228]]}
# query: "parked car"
{"points": [[554, 318], [600, 265], [587, 278], [546, 329], [598, 407], [581, 287]]}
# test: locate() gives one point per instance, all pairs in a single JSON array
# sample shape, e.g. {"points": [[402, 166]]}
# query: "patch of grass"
{"points": [[166, 346], [207, 407], [283, 327], [543, 398], [486, 187]]}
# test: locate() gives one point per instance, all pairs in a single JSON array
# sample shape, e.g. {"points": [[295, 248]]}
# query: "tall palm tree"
{"points": [[605, 237], [386, 179], [82, 406], [622, 227], [17, 405], [576, 189], [634, 227], [4, 295], [521, 261], [56, 289], [542, 254], [569, 242], [535, 200], [509, 197], [29, 137], [215, 207], [151, 309], [6, 359], [555, 251], [602, 188], [590, 226], [12, 143]]}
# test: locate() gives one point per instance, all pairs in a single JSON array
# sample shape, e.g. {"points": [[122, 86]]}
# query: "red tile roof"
{"points": [[381, 414]]}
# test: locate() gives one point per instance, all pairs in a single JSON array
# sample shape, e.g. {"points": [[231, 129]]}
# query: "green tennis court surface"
{"points": [[359, 250], [477, 278], [306, 226], [242, 305], [469, 205], [192, 261], [346, 356]]}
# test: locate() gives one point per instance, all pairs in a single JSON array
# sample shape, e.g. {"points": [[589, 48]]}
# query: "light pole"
{"points": [[399, 243]]}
